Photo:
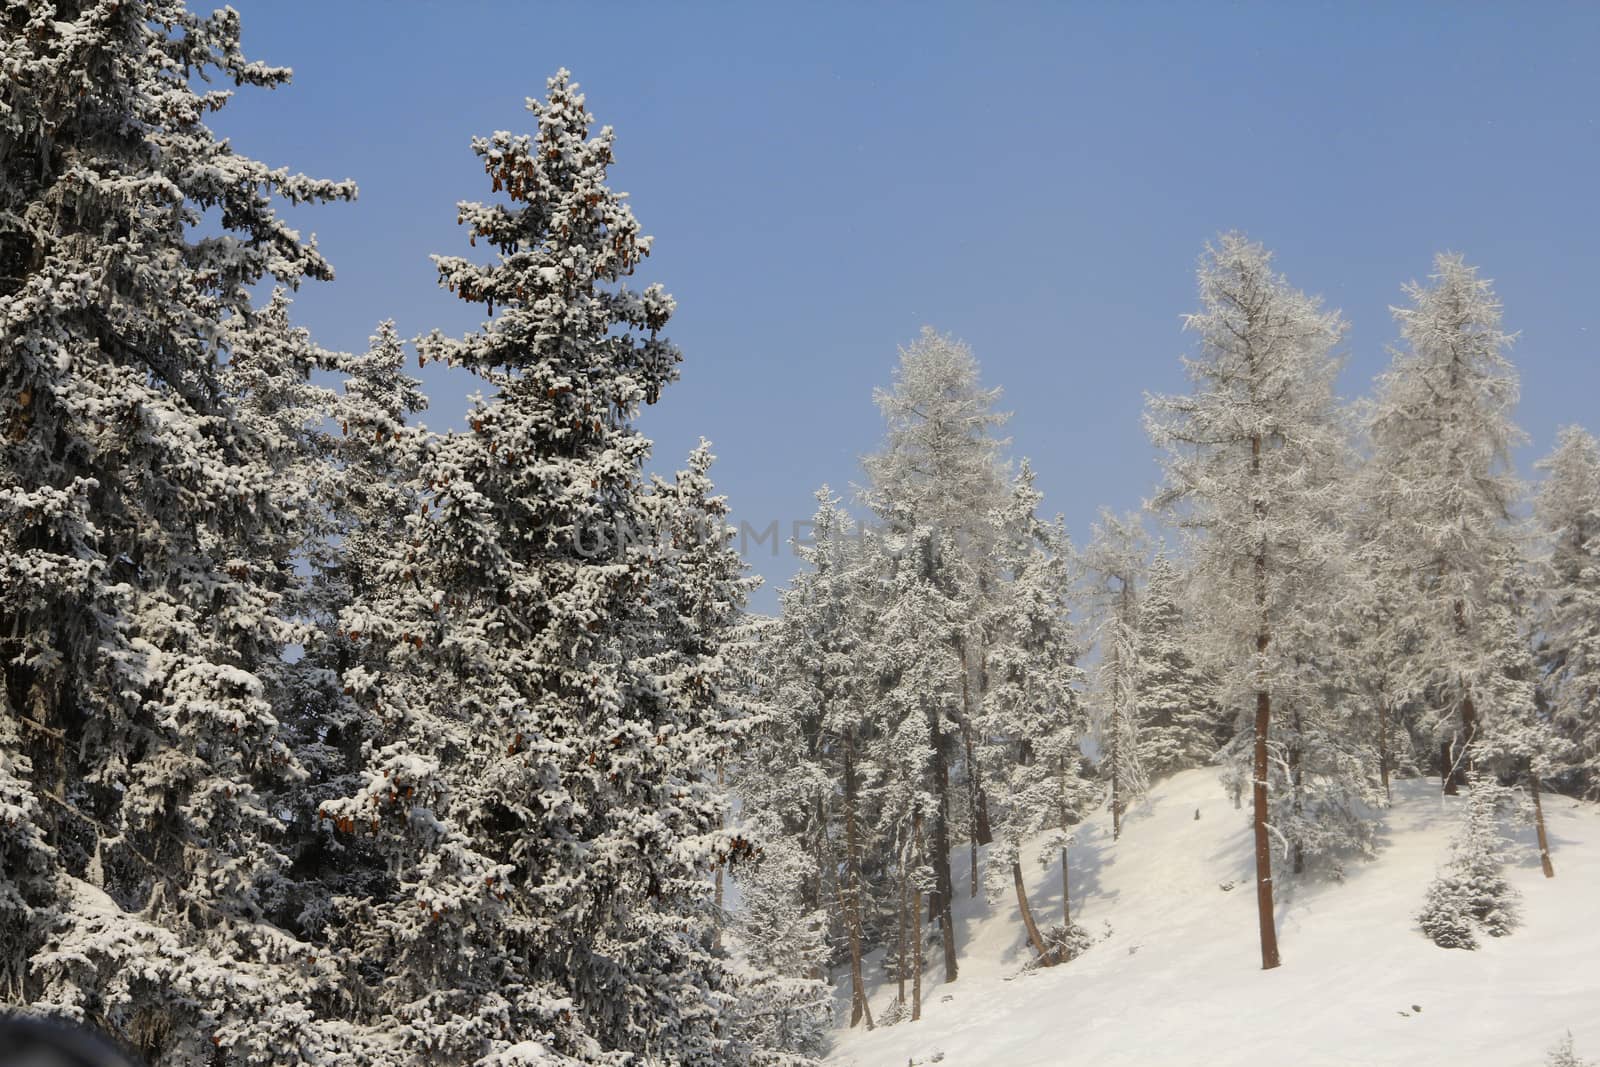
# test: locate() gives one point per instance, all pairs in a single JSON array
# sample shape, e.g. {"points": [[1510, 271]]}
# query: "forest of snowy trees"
{"points": [[331, 740]]}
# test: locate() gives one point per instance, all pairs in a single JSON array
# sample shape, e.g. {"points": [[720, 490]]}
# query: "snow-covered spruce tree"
{"points": [[1033, 719], [365, 491], [1568, 511], [145, 593], [1563, 1054], [817, 687], [707, 658], [1180, 724], [1441, 480], [543, 783], [1240, 452], [780, 943], [1114, 564], [940, 469], [1472, 893]]}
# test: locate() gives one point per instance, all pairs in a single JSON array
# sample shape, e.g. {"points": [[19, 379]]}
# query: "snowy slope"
{"points": [[1178, 979]]}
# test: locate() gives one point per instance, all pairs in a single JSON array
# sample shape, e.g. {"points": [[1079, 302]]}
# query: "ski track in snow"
{"points": [[1178, 979]]}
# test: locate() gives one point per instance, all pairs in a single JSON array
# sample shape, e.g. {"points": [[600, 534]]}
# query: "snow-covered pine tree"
{"points": [[1114, 564], [1180, 723], [940, 470], [1033, 719], [1239, 450], [1568, 510], [1563, 1054], [366, 491], [545, 796], [142, 537], [1440, 479], [1472, 893], [780, 945], [818, 688], [699, 623]]}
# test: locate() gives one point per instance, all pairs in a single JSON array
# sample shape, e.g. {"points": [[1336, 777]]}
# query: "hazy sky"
{"points": [[1039, 180]]}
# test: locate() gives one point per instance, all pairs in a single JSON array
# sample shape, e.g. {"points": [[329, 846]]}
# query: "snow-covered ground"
{"points": [[1178, 981]]}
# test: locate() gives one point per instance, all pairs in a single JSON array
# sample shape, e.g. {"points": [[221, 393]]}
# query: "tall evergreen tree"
{"points": [[1239, 450], [1442, 483], [1568, 511], [1114, 563], [1181, 724], [145, 536], [1033, 720], [544, 784], [934, 482]]}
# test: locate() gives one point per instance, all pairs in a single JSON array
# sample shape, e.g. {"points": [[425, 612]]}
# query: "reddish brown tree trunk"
{"points": [[1269, 929], [1264, 908], [1066, 894], [1027, 915], [1538, 823]]}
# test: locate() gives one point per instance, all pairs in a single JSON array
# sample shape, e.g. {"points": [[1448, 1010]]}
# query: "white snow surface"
{"points": [[1178, 980]]}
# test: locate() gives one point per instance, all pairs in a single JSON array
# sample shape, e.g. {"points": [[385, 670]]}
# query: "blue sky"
{"points": [[1039, 180]]}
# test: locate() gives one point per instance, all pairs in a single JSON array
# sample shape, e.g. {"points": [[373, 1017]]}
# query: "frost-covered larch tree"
{"points": [[940, 470], [1180, 724], [1378, 631], [1568, 511], [1114, 564], [1241, 451], [1442, 483], [544, 782], [1033, 720], [145, 603]]}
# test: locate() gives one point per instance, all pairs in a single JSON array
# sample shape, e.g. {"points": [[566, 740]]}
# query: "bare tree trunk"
{"points": [[972, 796], [1269, 930], [859, 1008], [1264, 908], [1066, 894], [905, 948], [1538, 823], [1027, 915], [1383, 746], [916, 910]]}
